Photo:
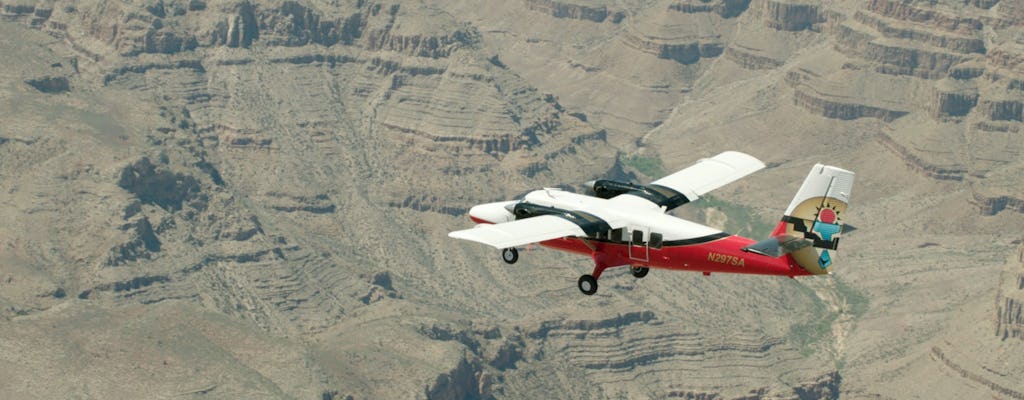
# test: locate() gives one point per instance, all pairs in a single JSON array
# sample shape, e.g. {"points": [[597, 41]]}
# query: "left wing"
{"points": [[521, 232]]}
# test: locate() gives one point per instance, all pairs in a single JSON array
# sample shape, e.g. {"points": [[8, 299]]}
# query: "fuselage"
{"points": [[648, 238]]}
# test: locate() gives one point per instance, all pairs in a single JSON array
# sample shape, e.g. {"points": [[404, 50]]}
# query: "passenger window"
{"points": [[617, 235], [638, 237], [656, 240]]}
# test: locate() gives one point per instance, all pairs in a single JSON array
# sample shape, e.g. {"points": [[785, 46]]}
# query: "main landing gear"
{"points": [[588, 283], [510, 255]]}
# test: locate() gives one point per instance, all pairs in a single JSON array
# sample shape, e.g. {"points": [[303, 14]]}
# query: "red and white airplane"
{"points": [[626, 224]]}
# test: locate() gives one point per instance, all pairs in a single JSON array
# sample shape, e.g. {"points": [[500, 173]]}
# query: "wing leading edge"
{"points": [[711, 173], [706, 175], [521, 232]]}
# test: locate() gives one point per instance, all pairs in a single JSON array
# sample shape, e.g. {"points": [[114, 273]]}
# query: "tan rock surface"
{"points": [[250, 199]]}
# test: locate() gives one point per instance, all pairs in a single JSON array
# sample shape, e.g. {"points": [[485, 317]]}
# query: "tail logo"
{"points": [[819, 219], [825, 260], [826, 224]]}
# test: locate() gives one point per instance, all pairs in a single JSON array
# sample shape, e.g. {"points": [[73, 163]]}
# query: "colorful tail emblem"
{"points": [[825, 260], [816, 214]]}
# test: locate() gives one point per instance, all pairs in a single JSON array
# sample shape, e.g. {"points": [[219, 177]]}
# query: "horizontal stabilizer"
{"points": [[777, 246]]}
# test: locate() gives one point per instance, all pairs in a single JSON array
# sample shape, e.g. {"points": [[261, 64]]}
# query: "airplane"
{"points": [[627, 224]]}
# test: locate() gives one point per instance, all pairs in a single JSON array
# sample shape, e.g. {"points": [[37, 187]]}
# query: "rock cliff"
{"points": [[250, 198], [1009, 321]]}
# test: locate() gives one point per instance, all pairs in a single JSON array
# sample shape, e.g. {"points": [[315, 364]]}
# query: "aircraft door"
{"points": [[638, 244]]}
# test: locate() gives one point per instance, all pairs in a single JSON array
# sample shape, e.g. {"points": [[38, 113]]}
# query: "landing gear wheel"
{"points": [[639, 272], [587, 284], [510, 255]]}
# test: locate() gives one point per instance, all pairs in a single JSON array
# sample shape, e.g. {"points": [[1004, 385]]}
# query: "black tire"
{"points": [[510, 255], [639, 272], [587, 285]]}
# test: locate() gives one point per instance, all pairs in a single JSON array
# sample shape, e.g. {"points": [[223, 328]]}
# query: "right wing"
{"points": [[689, 184], [711, 173], [521, 232]]}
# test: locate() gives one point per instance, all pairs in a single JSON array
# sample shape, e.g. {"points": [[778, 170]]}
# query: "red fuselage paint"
{"points": [[722, 255]]}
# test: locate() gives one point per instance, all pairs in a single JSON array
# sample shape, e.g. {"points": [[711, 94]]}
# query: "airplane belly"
{"points": [[609, 254], [571, 245]]}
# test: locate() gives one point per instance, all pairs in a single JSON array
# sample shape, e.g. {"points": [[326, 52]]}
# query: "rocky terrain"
{"points": [[250, 199]]}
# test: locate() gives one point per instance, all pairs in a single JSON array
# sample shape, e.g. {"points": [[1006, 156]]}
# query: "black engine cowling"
{"points": [[607, 189], [657, 194], [526, 210], [589, 223]]}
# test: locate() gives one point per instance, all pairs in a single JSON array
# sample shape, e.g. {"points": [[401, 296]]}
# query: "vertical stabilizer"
{"points": [[816, 217]]}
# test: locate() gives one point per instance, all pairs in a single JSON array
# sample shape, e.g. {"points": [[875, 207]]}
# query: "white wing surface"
{"points": [[710, 174], [521, 232]]}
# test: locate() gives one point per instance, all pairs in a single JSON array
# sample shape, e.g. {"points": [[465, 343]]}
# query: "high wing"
{"points": [[521, 232], [689, 184]]}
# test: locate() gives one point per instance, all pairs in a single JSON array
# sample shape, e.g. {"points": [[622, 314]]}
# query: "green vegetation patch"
{"points": [[856, 302], [650, 166], [741, 220], [809, 335]]}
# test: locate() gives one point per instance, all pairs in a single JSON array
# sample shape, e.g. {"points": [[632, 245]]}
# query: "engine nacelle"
{"points": [[591, 224], [660, 195], [492, 213], [526, 210], [607, 189]]}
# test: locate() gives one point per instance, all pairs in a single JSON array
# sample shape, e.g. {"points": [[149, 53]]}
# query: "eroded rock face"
{"points": [[990, 205], [838, 108], [909, 12], [686, 52], [825, 387], [972, 78], [158, 185], [954, 103], [1003, 110], [50, 84], [791, 16], [466, 381], [1009, 317], [896, 58], [142, 243], [724, 8], [561, 9]]}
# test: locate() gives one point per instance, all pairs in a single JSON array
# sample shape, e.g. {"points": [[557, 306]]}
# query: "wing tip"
{"points": [[467, 234], [744, 157]]}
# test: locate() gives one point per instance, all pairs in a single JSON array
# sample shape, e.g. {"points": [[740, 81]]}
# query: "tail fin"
{"points": [[815, 218]]}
